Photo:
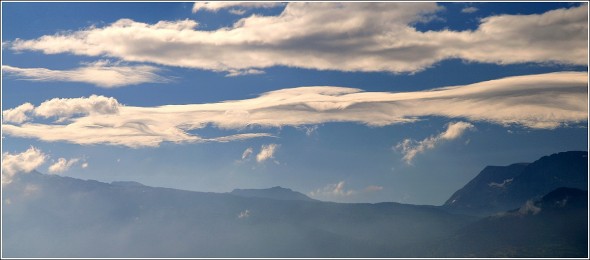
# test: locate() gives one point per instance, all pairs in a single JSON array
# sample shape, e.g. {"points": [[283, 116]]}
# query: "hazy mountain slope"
{"points": [[52, 216], [554, 226], [498, 188], [277, 193]]}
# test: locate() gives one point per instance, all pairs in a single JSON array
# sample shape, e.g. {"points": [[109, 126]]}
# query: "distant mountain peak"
{"points": [[276, 192], [499, 188]]}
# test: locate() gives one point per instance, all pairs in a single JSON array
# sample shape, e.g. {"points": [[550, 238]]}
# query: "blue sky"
{"points": [[367, 126]]}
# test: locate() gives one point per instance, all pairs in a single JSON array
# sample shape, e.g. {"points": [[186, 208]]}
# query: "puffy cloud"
{"points": [[84, 165], [410, 148], [25, 162], [543, 101], [266, 152], [67, 107], [216, 6], [331, 36], [62, 165], [17, 114], [246, 154], [101, 73]]}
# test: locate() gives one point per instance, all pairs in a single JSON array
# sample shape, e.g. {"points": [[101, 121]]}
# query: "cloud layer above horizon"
{"points": [[330, 36], [543, 101]]}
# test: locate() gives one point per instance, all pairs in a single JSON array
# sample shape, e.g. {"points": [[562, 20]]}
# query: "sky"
{"points": [[347, 102]]}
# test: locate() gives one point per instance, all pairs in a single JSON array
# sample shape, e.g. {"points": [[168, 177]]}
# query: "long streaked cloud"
{"points": [[216, 6], [62, 165], [102, 74], [26, 161], [410, 148], [331, 36], [543, 101]]}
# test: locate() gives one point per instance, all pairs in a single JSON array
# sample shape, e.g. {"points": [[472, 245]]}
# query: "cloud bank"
{"points": [[330, 36], [102, 74], [543, 101], [26, 161], [410, 148]]}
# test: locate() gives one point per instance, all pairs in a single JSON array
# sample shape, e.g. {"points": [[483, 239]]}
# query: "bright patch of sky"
{"points": [[89, 86]]}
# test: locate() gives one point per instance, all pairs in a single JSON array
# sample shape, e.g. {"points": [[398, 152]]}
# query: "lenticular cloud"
{"points": [[543, 101]]}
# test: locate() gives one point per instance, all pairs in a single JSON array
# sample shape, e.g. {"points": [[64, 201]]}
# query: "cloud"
{"points": [[266, 152], [244, 214], [337, 191], [84, 165], [469, 10], [333, 190], [410, 148], [235, 73], [246, 154], [543, 101], [500, 185], [216, 6], [62, 165], [331, 36], [17, 114], [25, 162], [101, 73]]}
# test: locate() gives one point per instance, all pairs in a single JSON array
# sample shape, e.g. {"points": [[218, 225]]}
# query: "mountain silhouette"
{"points": [[54, 216], [501, 188]]}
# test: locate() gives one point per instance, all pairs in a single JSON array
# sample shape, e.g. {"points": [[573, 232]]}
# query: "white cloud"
{"points": [[543, 101], [266, 152], [17, 114], [500, 185], [216, 6], [469, 10], [68, 107], [62, 165], [332, 190], [84, 165], [410, 148], [244, 214], [25, 162], [101, 73], [338, 191], [246, 154], [331, 36], [234, 73]]}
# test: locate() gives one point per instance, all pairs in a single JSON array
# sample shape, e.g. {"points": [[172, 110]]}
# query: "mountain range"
{"points": [[520, 210]]}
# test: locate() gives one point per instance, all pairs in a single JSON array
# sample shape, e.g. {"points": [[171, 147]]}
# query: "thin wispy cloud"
{"points": [[469, 9], [543, 101], [24, 162], [330, 36], [103, 74], [233, 6], [246, 154], [410, 148], [62, 165]]}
